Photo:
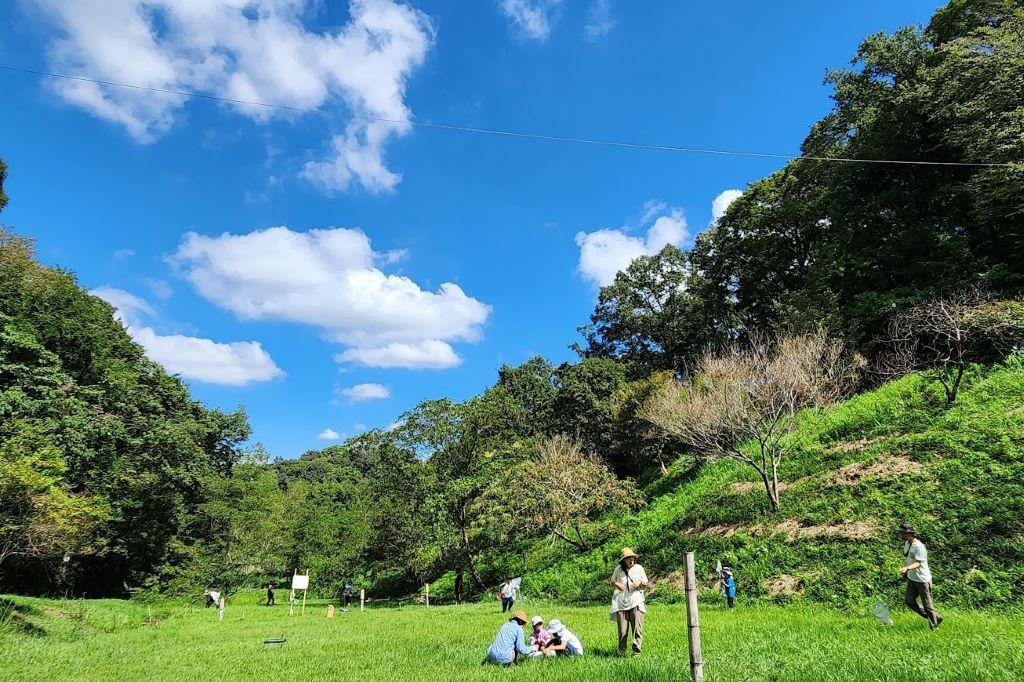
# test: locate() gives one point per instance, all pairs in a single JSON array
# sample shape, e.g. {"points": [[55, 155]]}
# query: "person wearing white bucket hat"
{"points": [[563, 641], [628, 609]]}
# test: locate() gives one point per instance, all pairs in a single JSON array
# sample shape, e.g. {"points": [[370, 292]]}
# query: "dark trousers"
{"points": [[926, 609], [506, 604], [270, 598], [348, 600], [732, 601]]}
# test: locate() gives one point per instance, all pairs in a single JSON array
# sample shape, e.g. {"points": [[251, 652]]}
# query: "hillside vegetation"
{"points": [[892, 454]]}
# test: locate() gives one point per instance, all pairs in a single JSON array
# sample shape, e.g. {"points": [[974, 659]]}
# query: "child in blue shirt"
{"points": [[728, 586]]}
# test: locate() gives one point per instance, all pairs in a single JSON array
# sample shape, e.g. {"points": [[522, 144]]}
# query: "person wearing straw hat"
{"points": [[629, 581], [918, 576], [510, 643]]}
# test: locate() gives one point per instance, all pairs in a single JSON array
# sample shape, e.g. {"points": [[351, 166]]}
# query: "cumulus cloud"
{"points": [[363, 392], [251, 50], [599, 19], [720, 204], [230, 364], [328, 279], [605, 252], [329, 434], [429, 354], [533, 18]]}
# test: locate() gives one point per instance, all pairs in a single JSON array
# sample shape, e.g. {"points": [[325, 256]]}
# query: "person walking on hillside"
{"points": [[918, 576], [507, 595], [628, 609], [510, 642], [270, 594]]}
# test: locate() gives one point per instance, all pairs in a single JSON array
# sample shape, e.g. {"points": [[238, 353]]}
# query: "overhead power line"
{"points": [[511, 133]]}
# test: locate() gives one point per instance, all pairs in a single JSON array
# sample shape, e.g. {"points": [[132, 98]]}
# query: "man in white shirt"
{"points": [[919, 576], [628, 610]]}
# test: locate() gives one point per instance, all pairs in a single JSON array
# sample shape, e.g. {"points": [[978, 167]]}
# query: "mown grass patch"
{"points": [[448, 643]]}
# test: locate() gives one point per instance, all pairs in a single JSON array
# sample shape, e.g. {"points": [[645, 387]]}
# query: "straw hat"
{"points": [[520, 616], [627, 552]]}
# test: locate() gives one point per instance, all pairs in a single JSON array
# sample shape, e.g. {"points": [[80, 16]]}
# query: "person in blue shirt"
{"points": [[728, 586], [510, 643]]}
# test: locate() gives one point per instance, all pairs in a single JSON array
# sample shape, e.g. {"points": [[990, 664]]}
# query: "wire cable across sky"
{"points": [[512, 133]]}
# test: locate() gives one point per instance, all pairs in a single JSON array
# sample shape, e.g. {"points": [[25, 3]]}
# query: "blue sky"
{"points": [[330, 270]]}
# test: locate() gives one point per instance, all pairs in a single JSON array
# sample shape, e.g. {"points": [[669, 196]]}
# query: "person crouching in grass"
{"points": [[510, 644], [540, 637], [563, 641]]}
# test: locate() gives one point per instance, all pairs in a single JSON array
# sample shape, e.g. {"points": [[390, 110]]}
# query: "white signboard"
{"points": [[300, 582]]}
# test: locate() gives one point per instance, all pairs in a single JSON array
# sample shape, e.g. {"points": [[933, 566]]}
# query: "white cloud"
{"points": [[533, 17], [720, 203], [329, 434], [253, 50], [429, 354], [121, 254], [230, 364], [158, 287], [127, 305], [599, 19], [359, 427], [605, 252], [327, 278], [363, 392]]}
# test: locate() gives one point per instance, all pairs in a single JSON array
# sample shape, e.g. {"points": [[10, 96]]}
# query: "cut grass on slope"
{"points": [[448, 643], [885, 456]]}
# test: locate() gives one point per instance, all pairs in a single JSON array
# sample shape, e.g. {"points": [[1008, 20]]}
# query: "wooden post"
{"points": [[692, 621], [362, 598], [220, 609], [330, 610], [428, 594], [302, 611]]}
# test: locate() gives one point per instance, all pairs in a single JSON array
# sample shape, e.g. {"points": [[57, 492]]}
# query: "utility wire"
{"points": [[509, 133]]}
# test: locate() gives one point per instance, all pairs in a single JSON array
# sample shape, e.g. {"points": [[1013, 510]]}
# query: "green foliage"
{"points": [[3, 177]]}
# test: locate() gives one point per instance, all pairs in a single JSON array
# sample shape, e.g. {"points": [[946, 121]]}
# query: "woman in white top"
{"points": [[628, 609]]}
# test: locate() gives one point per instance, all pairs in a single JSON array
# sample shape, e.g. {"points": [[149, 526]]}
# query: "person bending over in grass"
{"points": [[563, 641], [510, 644], [918, 576], [628, 609]]}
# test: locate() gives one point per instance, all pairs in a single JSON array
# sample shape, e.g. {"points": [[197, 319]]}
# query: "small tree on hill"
{"points": [[754, 394], [561, 488], [941, 337]]}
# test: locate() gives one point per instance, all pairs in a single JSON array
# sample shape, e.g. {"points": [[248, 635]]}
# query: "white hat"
{"points": [[555, 626], [537, 620]]}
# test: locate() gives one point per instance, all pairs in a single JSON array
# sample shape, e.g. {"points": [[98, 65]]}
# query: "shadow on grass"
{"points": [[15, 617]]}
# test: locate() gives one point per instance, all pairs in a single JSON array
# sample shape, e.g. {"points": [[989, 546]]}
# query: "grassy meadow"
{"points": [[119, 640]]}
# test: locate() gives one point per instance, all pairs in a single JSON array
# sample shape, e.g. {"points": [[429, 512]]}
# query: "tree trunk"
{"points": [[771, 486], [458, 586], [561, 536]]}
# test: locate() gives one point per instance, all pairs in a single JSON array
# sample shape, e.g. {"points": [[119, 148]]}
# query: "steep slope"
{"points": [[896, 453]]}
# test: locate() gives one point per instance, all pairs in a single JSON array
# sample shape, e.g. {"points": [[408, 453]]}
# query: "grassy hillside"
{"points": [[111, 640], [892, 454]]}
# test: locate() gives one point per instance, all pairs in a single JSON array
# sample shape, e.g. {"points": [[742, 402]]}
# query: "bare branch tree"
{"points": [[754, 394], [942, 337]]}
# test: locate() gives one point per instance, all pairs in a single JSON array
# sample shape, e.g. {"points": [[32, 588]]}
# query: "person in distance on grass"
{"points": [[510, 644], [728, 586], [270, 594], [563, 641], [628, 609], [507, 595], [348, 595], [918, 576]]}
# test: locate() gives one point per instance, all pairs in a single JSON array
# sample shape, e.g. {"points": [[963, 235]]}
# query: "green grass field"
{"points": [[117, 640]]}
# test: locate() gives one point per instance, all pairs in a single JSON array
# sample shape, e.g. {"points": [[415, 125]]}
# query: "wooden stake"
{"points": [[302, 611], [220, 610], [428, 594], [362, 598], [693, 622]]}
